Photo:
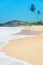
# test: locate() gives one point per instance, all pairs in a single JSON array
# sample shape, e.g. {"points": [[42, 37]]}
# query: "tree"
{"points": [[39, 15], [32, 8]]}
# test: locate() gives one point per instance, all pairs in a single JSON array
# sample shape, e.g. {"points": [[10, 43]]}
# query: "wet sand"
{"points": [[29, 49], [28, 32]]}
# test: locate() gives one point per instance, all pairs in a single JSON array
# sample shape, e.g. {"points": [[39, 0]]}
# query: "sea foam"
{"points": [[9, 30], [6, 34]]}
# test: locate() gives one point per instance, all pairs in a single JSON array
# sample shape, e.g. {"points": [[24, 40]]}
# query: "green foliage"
{"points": [[32, 8], [39, 12], [37, 23]]}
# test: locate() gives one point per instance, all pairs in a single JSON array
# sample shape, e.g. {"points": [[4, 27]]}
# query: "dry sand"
{"points": [[28, 49]]}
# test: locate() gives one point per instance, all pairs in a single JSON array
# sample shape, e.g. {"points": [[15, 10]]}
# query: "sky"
{"points": [[20, 10]]}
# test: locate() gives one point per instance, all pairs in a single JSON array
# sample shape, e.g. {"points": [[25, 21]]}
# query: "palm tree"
{"points": [[32, 8], [39, 15]]}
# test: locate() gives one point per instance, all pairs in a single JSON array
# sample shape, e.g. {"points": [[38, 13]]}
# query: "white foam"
{"points": [[5, 36], [9, 30], [5, 39], [6, 60]]}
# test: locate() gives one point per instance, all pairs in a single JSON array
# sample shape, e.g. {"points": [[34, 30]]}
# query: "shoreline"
{"points": [[19, 35], [5, 42], [5, 36], [24, 48]]}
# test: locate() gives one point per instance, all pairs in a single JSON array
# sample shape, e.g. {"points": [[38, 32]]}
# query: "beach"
{"points": [[9, 33], [29, 48]]}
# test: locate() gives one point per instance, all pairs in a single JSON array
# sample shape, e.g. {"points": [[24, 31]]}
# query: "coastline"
{"points": [[21, 32], [26, 48], [4, 42]]}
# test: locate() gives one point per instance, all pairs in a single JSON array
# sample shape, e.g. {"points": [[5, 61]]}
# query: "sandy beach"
{"points": [[10, 33], [29, 49]]}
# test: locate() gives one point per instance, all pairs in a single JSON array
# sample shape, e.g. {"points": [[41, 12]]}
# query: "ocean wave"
{"points": [[6, 34], [9, 30]]}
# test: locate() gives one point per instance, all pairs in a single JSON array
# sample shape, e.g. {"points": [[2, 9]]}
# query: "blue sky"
{"points": [[19, 10]]}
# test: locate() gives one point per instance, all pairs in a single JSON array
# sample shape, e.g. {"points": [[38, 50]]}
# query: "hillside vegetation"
{"points": [[14, 23]]}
